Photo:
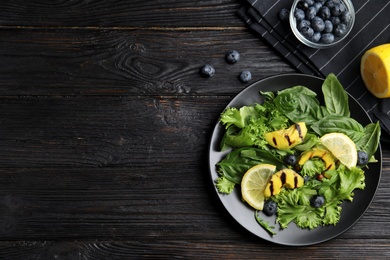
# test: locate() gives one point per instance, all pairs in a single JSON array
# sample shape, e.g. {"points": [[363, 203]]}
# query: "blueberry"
{"points": [[303, 23], [290, 159], [337, 9], [309, 2], [335, 20], [340, 30], [345, 17], [284, 14], [207, 71], [362, 158], [327, 38], [307, 32], [310, 13], [317, 201], [317, 6], [303, 5], [329, 3], [232, 57], [306, 178], [299, 14], [324, 13], [316, 37], [245, 76], [328, 26], [317, 24], [270, 208]]}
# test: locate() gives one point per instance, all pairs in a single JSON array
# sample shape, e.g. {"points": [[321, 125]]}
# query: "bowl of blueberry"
{"points": [[321, 23]]}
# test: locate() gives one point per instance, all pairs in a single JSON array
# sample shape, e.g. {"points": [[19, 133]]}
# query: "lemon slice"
{"points": [[375, 70], [253, 184], [342, 147]]}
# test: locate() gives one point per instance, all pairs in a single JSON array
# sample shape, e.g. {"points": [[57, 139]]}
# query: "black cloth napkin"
{"points": [[371, 28]]}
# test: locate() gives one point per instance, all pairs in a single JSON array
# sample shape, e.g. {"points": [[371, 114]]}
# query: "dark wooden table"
{"points": [[105, 125]]}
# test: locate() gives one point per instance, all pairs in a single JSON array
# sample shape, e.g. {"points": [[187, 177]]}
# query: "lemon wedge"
{"points": [[375, 70], [254, 182], [341, 147]]}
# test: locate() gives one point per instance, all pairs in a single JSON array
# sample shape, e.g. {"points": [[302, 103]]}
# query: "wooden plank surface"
{"points": [[104, 130]]}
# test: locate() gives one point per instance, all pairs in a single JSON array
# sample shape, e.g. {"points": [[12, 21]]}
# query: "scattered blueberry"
{"points": [[232, 57], [317, 201], [290, 159], [327, 38], [362, 158], [299, 14], [207, 71], [284, 14], [306, 178], [270, 208], [317, 24], [245, 76]]}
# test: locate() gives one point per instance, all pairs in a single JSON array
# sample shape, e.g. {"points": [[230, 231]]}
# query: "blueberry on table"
{"points": [[362, 158], [245, 76], [317, 201], [207, 71], [270, 208], [232, 57], [284, 14]]}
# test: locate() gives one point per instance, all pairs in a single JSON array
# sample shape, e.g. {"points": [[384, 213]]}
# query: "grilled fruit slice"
{"points": [[285, 139], [283, 178], [325, 155]]}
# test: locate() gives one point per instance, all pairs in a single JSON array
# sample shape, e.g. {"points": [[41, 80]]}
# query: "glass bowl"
{"points": [[340, 13]]}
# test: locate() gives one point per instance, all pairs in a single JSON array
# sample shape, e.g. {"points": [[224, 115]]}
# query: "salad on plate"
{"points": [[295, 156]]}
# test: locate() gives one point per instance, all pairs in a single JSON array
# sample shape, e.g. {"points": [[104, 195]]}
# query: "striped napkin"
{"points": [[372, 28]]}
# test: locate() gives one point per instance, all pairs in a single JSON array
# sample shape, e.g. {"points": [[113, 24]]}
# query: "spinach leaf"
{"points": [[299, 106], [335, 97], [339, 124], [370, 141], [238, 161]]}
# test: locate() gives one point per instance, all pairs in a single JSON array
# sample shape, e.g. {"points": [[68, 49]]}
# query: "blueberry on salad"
{"points": [[317, 201], [207, 71], [232, 57], [362, 158], [290, 159]]}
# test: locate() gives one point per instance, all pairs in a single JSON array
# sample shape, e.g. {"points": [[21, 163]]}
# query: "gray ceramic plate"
{"points": [[293, 236]]}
